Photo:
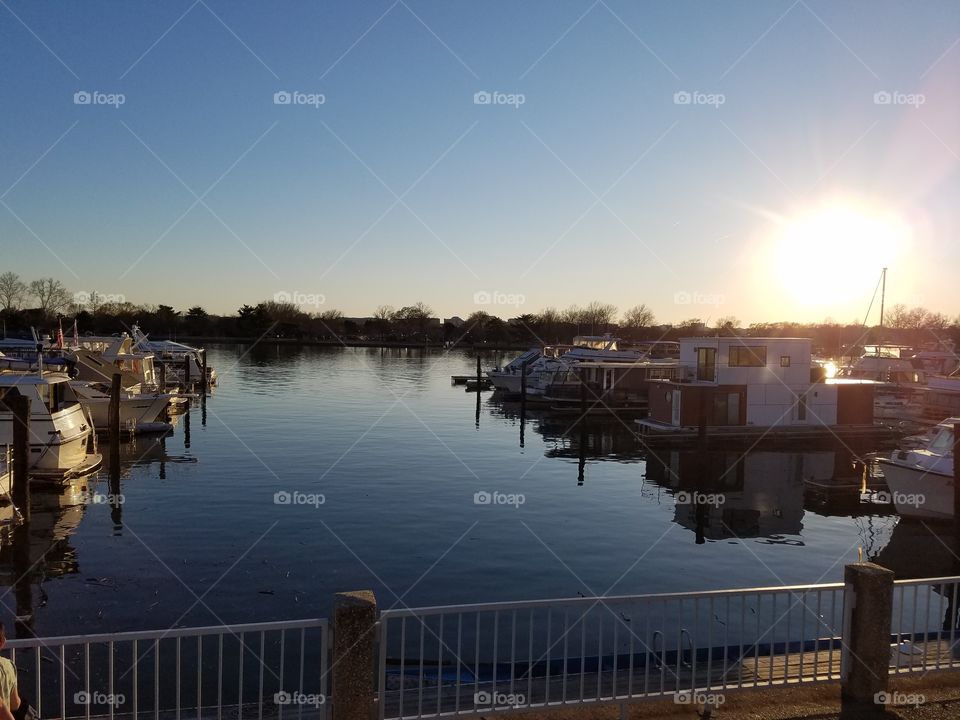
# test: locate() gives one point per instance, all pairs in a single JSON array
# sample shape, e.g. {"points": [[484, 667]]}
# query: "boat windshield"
{"points": [[943, 442]]}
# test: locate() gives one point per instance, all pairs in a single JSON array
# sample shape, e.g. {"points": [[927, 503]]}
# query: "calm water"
{"points": [[398, 455]]}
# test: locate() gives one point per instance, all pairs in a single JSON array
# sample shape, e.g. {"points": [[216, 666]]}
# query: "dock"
{"points": [[471, 382]]}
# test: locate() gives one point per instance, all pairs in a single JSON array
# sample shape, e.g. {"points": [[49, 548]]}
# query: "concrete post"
{"points": [[354, 618], [865, 657]]}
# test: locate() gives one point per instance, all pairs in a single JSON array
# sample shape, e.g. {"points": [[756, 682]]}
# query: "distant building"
{"points": [[455, 321]]}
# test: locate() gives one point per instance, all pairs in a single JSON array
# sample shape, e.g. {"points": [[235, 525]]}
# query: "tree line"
{"points": [[44, 303]]}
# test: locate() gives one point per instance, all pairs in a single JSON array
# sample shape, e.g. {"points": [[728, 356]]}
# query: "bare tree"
{"points": [[12, 291], [599, 315], [52, 296], [637, 317]]}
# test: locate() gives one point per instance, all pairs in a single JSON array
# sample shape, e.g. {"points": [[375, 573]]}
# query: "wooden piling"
{"points": [[163, 377], [956, 480], [186, 373], [479, 374], [523, 399], [20, 407], [113, 412], [203, 371]]}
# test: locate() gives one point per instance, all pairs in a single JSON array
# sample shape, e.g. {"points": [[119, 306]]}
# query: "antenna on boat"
{"points": [[883, 295]]}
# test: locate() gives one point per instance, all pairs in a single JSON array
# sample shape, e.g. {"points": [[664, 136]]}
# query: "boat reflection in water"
{"points": [[39, 551], [724, 494]]}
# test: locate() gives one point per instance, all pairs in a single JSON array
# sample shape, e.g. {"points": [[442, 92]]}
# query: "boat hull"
{"points": [[918, 492]]}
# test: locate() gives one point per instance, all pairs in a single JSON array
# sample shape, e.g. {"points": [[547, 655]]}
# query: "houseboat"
{"points": [[59, 427], [606, 385], [758, 388]]}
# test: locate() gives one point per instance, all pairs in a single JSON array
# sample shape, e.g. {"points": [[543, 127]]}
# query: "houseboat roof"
{"points": [[624, 364], [743, 339]]}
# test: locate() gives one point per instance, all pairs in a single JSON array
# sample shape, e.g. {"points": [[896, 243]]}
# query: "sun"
{"points": [[832, 254]]}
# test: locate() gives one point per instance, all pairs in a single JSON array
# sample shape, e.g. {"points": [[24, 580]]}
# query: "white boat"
{"points": [[59, 427], [174, 355], [508, 378], [139, 412], [921, 480], [900, 395]]}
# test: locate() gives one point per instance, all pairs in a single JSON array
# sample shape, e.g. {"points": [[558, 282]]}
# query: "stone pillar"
{"points": [[865, 657], [354, 664]]}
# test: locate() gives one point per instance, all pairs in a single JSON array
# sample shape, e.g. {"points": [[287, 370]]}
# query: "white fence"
{"points": [[504, 657], [277, 669], [925, 625]]}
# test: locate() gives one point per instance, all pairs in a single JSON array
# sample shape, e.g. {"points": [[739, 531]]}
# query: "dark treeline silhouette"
{"points": [[46, 304]]}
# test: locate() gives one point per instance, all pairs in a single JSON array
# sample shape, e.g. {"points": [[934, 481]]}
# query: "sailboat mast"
{"points": [[883, 295]]}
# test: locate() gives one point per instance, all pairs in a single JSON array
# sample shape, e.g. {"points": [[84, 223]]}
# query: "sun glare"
{"points": [[833, 254]]}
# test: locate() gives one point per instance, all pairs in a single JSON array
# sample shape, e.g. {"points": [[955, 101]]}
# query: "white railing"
{"points": [[925, 625], [503, 657], [275, 669]]}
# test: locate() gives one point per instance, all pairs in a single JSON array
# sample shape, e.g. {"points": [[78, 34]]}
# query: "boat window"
{"points": [[942, 443], [784, 361], [8, 392], [748, 356]]}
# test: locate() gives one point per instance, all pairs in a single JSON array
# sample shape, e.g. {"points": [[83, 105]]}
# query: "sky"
{"points": [[762, 160]]}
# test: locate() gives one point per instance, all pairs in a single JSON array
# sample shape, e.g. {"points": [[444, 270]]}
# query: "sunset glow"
{"points": [[820, 256]]}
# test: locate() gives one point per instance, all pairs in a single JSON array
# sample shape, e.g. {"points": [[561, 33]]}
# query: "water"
{"points": [[398, 455]]}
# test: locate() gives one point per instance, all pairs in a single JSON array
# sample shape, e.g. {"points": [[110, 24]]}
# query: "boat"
{"points": [[59, 427], [756, 388], [175, 356], [139, 412], [921, 479], [508, 378], [901, 381]]}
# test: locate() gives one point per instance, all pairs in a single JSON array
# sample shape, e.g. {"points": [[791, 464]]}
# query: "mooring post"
{"points": [[186, 372], [956, 485], [523, 399], [479, 373], [163, 377], [865, 653], [113, 414], [353, 666], [20, 407], [956, 473], [203, 372]]}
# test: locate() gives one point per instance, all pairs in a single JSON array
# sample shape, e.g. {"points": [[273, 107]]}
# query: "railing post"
{"points": [[354, 623], [865, 654]]}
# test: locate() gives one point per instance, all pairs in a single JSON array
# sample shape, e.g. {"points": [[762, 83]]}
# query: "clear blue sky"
{"points": [[599, 186]]}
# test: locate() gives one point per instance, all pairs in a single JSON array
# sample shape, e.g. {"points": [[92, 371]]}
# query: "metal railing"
{"points": [[501, 657], [275, 669], [924, 624]]}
